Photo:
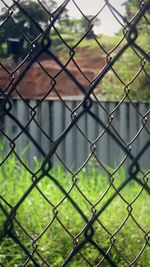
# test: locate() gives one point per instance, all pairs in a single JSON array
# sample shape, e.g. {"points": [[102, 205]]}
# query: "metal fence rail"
{"points": [[103, 124]]}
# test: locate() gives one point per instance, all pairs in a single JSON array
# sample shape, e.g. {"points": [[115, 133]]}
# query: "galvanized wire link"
{"points": [[38, 132]]}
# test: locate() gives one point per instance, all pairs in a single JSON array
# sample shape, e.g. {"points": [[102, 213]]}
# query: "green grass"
{"points": [[35, 213], [126, 67]]}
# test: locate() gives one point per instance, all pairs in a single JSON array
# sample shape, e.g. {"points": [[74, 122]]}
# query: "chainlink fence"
{"points": [[85, 235]]}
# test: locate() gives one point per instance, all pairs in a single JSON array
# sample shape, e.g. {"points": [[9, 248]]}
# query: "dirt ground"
{"points": [[47, 79]]}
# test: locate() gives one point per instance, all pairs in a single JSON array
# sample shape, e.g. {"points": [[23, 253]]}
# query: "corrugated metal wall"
{"points": [[54, 116]]}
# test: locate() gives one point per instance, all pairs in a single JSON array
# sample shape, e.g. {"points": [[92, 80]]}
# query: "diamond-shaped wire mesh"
{"points": [[74, 173]]}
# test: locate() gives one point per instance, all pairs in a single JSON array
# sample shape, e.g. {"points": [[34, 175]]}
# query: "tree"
{"points": [[85, 24], [70, 26], [78, 26], [24, 20], [21, 23], [141, 85], [132, 6]]}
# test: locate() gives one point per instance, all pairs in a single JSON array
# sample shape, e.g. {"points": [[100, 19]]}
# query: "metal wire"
{"points": [[37, 47]]}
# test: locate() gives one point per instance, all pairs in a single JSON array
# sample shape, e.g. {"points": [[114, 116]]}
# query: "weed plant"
{"points": [[38, 210]]}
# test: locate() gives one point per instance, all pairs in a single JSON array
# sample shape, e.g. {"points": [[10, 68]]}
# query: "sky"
{"points": [[108, 25]]}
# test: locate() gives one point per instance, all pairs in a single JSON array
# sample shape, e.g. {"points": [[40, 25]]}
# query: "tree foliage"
{"points": [[132, 7], [24, 20], [140, 87], [78, 26], [87, 23]]}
